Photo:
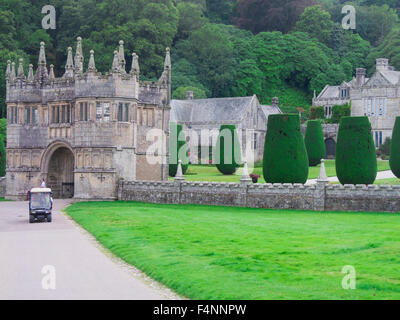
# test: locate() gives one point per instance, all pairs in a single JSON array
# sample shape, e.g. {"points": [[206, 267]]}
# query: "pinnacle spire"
{"points": [[115, 64], [69, 66], [92, 65], [167, 63], [21, 74], [12, 74], [41, 72], [135, 64], [52, 76], [42, 55], [79, 55], [30, 73], [121, 56], [8, 69]]}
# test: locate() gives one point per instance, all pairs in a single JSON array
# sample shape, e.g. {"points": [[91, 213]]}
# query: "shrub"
{"points": [[2, 156], [338, 112], [355, 152], [178, 149], [228, 154], [317, 113], [384, 148], [315, 144], [285, 155], [395, 149]]}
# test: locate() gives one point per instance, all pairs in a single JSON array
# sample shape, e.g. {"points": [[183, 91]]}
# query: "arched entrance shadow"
{"points": [[57, 166], [330, 148]]}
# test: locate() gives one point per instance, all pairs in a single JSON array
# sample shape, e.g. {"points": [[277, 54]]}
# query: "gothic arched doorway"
{"points": [[60, 173], [330, 148]]}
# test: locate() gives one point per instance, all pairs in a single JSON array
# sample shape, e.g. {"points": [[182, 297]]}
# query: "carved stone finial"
{"points": [[30, 73], [179, 177], [52, 76], [41, 72], [115, 65], [8, 69], [21, 74], [79, 55], [167, 62], [92, 65], [135, 64], [121, 57], [13, 74]]}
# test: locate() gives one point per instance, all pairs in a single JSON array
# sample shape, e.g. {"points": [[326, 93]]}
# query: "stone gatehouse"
{"points": [[84, 131]]}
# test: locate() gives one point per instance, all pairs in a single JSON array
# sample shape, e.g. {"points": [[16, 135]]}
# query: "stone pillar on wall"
{"points": [[319, 195], [245, 181]]}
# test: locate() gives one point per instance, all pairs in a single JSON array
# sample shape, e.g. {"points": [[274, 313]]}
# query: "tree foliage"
{"points": [[315, 143], [178, 149], [395, 149]]}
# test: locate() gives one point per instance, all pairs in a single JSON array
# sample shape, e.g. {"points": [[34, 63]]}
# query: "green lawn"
{"points": [[211, 173], [205, 252], [388, 181]]}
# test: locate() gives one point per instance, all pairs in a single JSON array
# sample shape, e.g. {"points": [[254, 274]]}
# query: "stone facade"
{"points": [[201, 120], [377, 97], [2, 187], [84, 131], [319, 197]]}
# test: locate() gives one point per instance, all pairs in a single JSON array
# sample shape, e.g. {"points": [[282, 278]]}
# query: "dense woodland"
{"points": [[284, 48]]}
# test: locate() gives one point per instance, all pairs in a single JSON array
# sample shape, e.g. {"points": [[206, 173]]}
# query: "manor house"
{"points": [[377, 97], [83, 131]]}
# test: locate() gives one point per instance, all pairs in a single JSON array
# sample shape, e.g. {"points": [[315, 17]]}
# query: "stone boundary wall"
{"points": [[318, 197], [2, 187]]}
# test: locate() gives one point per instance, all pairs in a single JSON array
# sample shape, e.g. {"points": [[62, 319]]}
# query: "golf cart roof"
{"points": [[41, 190]]}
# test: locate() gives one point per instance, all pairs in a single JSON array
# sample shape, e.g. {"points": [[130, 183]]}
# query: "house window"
{"points": [[83, 111], [378, 138], [375, 107], [344, 93], [254, 141]]}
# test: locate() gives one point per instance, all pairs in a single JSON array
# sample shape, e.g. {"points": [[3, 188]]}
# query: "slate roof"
{"points": [[270, 110], [209, 110], [392, 76]]}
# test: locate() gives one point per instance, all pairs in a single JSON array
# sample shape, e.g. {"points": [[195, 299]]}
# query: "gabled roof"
{"points": [[267, 110], [210, 110]]}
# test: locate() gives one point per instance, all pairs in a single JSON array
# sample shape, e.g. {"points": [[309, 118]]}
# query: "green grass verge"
{"points": [[205, 252], [393, 181], [211, 173]]}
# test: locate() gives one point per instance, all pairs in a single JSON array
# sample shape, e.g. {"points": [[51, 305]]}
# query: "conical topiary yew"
{"points": [[178, 149], [355, 152], [285, 155], [315, 144], [228, 156], [395, 149]]}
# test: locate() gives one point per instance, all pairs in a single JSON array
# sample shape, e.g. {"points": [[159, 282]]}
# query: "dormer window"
{"points": [[344, 93]]}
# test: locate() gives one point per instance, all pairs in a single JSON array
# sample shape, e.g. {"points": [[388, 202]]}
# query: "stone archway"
{"points": [[330, 148], [58, 169]]}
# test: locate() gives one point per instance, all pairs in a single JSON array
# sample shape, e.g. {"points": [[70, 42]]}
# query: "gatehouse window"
{"points": [[123, 112], [27, 115], [103, 112], [61, 114], [13, 115], [35, 116], [83, 111]]}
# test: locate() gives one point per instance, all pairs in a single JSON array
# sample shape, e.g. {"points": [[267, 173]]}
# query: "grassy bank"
{"points": [[205, 252]]}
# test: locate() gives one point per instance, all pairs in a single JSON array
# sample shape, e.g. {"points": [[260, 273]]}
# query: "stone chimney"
{"points": [[360, 76], [275, 102], [189, 95], [382, 64]]}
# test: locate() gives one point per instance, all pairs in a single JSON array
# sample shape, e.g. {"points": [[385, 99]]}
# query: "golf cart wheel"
{"points": [[31, 219], [49, 218]]}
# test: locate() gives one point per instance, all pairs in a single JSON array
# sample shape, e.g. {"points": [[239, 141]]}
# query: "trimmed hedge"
{"points": [[395, 149], [285, 155], [315, 144], [356, 161], [178, 149], [230, 148]]}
